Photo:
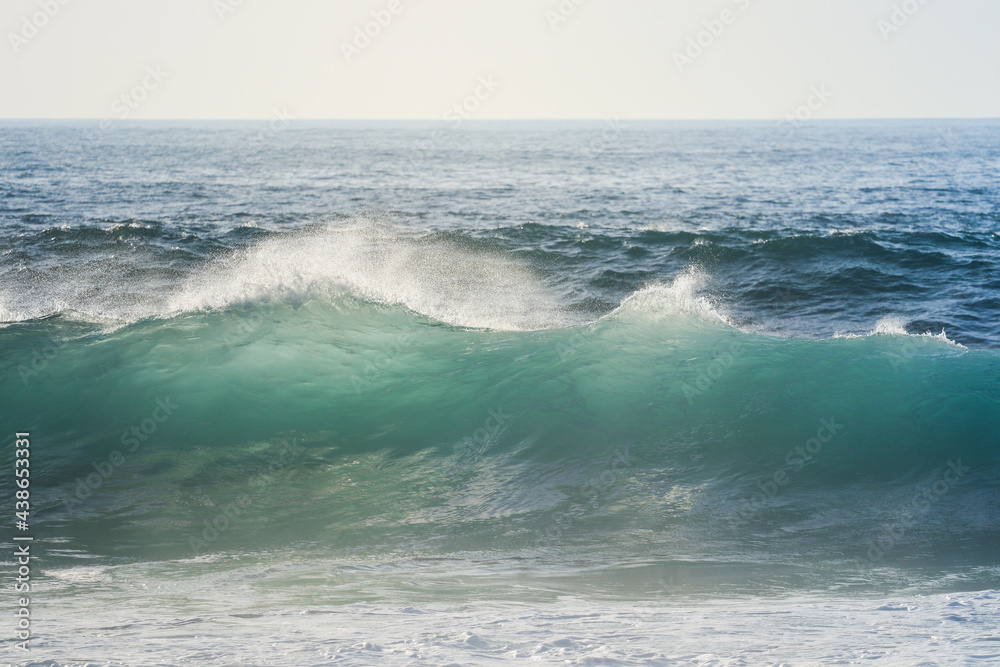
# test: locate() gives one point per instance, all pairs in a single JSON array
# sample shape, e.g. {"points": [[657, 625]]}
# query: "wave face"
{"points": [[658, 430], [803, 400]]}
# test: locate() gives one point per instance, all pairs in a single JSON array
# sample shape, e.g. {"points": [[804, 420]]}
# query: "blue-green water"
{"points": [[395, 364]]}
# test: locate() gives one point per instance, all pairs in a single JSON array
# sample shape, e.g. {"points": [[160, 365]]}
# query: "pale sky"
{"points": [[594, 59]]}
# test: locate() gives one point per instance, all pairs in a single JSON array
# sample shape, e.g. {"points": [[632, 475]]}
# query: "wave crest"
{"points": [[685, 295], [439, 278]]}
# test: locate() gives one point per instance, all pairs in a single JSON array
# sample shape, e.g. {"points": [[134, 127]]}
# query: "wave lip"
{"points": [[894, 325], [685, 295]]}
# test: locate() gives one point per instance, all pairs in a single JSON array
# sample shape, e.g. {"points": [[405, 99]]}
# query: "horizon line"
{"points": [[491, 120]]}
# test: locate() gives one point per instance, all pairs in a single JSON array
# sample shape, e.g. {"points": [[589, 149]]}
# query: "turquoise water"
{"points": [[333, 373]]}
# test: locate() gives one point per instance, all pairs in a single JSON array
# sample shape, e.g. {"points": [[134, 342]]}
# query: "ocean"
{"points": [[417, 393]]}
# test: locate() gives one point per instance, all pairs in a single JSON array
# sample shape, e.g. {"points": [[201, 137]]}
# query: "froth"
{"points": [[104, 292], [685, 295], [894, 325], [450, 282]]}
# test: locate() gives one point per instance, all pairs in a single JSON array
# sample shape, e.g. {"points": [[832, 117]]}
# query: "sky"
{"points": [[499, 59]]}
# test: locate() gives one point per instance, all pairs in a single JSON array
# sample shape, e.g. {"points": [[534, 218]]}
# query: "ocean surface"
{"points": [[587, 393]]}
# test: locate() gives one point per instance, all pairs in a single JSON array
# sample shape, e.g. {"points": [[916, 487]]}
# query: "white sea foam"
{"points": [[686, 295], [444, 279], [441, 279], [145, 617], [894, 325], [454, 283]]}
